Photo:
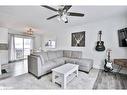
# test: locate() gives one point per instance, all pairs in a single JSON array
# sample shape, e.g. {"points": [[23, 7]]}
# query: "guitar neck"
{"points": [[109, 57], [100, 37]]}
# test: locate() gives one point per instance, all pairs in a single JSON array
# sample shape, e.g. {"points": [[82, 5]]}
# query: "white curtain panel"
{"points": [[12, 53]]}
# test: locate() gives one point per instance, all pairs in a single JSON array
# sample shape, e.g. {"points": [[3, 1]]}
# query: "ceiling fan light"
{"points": [[64, 17], [59, 18]]}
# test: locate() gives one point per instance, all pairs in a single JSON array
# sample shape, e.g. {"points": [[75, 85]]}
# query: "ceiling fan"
{"points": [[62, 13]]}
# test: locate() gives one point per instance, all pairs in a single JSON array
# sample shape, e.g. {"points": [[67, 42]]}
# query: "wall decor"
{"points": [[3, 46], [50, 44], [122, 35], [100, 44], [78, 39]]}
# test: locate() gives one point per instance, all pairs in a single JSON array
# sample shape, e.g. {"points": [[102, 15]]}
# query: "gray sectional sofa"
{"points": [[41, 63]]}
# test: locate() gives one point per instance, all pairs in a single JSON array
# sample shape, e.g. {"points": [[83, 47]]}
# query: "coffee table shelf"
{"points": [[64, 74]]}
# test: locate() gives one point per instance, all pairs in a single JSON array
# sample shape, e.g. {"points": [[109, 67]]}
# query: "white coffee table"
{"points": [[64, 74]]}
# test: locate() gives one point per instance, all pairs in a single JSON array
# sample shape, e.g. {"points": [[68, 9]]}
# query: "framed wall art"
{"points": [[122, 35], [78, 39], [3, 46]]}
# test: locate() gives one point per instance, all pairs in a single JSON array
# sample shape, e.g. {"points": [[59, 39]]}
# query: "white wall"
{"points": [[109, 29], [49, 36], [0, 69], [3, 35], [3, 39], [37, 42]]}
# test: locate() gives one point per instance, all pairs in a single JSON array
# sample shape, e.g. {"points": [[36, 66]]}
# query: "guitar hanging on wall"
{"points": [[100, 44]]}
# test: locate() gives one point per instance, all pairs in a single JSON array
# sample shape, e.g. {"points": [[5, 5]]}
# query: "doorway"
{"points": [[23, 47]]}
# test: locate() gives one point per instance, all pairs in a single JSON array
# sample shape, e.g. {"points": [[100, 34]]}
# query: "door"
{"points": [[27, 47], [23, 47], [19, 48]]}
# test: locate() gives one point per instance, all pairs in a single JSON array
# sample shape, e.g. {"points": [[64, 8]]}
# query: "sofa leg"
{"points": [[38, 77], [84, 71], [35, 75]]}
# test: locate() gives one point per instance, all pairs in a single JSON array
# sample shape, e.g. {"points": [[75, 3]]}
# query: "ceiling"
{"points": [[21, 18]]}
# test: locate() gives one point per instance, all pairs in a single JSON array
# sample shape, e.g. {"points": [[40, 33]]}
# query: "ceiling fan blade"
{"points": [[67, 7], [53, 9], [75, 14], [52, 17]]}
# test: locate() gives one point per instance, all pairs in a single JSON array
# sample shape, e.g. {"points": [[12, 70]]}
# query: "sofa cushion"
{"points": [[76, 54], [59, 53], [45, 56], [69, 60], [84, 62], [48, 66], [67, 53], [51, 55], [59, 60], [37, 53], [50, 63], [84, 68]]}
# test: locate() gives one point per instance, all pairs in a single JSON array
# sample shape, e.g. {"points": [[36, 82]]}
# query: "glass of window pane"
{"points": [[19, 47]]}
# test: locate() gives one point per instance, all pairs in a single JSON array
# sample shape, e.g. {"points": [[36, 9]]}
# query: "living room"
{"points": [[37, 49]]}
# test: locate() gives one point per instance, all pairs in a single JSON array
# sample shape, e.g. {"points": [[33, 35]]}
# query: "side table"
{"points": [[121, 63]]}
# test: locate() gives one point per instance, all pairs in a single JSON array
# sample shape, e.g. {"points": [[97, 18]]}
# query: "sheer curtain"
{"points": [[12, 53]]}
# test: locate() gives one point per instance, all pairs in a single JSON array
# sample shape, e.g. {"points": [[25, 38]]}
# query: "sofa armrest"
{"points": [[34, 65]]}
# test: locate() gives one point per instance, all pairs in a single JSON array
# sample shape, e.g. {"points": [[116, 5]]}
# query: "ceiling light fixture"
{"points": [[29, 32], [62, 13], [63, 17]]}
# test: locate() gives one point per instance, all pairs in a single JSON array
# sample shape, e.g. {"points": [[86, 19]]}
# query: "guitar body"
{"points": [[100, 46], [108, 63], [108, 66]]}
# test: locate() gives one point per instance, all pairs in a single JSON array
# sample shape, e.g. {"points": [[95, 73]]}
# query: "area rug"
{"points": [[28, 81]]}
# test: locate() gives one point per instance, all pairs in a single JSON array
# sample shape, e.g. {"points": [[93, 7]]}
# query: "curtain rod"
{"points": [[21, 35]]}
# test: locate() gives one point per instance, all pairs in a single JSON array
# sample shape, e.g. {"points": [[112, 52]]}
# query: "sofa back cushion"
{"points": [[51, 55], [59, 53], [37, 53], [45, 56], [72, 54], [67, 53], [76, 54]]}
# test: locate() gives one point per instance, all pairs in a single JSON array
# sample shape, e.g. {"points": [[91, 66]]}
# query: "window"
{"points": [[27, 47], [19, 47], [23, 47]]}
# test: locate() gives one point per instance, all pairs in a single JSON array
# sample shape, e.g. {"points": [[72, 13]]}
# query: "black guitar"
{"points": [[100, 44]]}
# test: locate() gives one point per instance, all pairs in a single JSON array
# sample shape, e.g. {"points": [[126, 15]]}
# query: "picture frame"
{"points": [[122, 36], [78, 39]]}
